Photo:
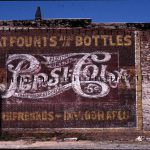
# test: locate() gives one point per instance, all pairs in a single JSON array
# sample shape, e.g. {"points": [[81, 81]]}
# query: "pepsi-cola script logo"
{"points": [[43, 76]]}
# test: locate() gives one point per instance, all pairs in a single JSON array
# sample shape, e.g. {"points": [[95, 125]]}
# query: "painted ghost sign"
{"points": [[74, 81], [85, 73]]}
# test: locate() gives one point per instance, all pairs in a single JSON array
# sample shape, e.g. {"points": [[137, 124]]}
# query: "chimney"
{"points": [[38, 14]]}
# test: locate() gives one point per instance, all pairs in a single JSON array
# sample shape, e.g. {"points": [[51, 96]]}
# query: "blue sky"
{"points": [[97, 10]]}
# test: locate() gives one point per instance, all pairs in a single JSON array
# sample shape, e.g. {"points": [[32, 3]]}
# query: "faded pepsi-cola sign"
{"points": [[68, 81]]}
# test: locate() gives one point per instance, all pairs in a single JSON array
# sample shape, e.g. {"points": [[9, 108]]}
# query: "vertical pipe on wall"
{"points": [[138, 81]]}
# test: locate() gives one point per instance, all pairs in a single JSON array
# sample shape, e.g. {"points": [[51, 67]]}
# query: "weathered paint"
{"points": [[145, 66], [69, 78]]}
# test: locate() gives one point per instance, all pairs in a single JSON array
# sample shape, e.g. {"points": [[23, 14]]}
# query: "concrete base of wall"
{"points": [[81, 134]]}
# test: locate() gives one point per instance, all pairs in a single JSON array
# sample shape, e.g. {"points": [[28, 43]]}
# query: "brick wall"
{"points": [[20, 112], [145, 66]]}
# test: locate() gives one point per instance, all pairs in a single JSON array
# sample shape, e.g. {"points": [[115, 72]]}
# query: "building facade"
{"points": [[74, 74]]}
